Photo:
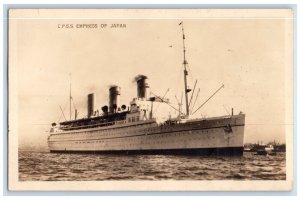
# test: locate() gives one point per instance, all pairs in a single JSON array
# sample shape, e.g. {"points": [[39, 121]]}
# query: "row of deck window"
{"points": [[162, 135], [145, 143], [150, 137]]}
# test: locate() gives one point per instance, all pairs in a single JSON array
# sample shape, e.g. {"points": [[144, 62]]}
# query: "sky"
{"points": [[249, 52]]}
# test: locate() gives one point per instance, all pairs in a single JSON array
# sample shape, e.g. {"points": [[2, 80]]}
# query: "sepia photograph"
{"points": [[150, 99]]}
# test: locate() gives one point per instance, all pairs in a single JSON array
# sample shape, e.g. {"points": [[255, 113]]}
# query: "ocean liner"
{"points": [[134, 129]]}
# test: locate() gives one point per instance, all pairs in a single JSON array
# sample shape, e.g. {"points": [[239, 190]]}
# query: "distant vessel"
{"points": [[247, 149], [135, 130], [262, 149]]}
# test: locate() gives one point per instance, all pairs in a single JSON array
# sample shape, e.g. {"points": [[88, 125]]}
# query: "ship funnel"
{"points": [[91, 104], [114, 98], [142, 86]]}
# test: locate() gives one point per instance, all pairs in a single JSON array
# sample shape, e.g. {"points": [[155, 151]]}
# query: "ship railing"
{"points": [[117, 123], [88, 126]]}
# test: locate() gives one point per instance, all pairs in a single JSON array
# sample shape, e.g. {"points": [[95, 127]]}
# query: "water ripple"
{"points": [[36, 166]]}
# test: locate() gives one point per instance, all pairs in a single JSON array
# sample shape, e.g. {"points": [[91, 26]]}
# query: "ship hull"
{"points": [[215, 136]]}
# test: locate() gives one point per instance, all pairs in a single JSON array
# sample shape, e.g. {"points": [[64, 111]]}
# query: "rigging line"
{"points": [[179, 104], [192, 94], [71, 97], [178, 79], [181, 98], [162, 99], [166, 103], [177, 100], [226, 110], [74, 106], [62, 112], [195, 100], [209, 98], [59, 117], [75, 110]]}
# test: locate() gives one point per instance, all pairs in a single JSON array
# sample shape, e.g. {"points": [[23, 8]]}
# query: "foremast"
{"points": [[185, 72]]}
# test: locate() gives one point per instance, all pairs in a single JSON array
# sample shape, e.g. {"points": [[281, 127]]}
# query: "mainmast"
{"points": [[185, 72]]}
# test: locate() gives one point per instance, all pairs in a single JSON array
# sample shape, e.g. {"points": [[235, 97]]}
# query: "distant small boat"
{"points": [[247, 149], [269, 148], [264, 149]]}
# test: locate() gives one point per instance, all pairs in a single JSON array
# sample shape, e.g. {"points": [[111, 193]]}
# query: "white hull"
{"points": [[147, 135]]}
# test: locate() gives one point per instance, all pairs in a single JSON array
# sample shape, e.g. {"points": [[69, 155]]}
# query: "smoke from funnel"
{"points": [[140, 76]]}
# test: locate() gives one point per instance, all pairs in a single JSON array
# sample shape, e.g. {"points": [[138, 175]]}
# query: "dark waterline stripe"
{"points": [[222, 151]]}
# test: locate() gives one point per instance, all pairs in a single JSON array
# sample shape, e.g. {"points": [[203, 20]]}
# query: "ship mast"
{"points": [[186, 90]]}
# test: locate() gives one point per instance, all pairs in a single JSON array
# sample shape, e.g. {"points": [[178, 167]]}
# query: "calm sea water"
{"points": [[35, 166]]}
